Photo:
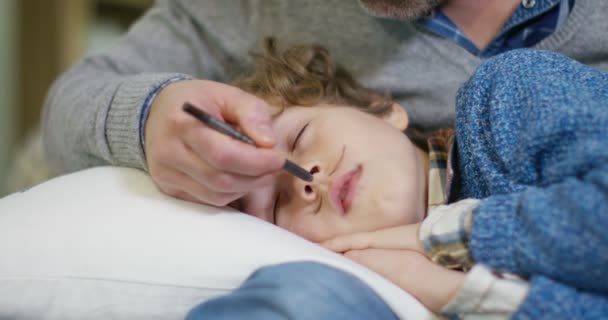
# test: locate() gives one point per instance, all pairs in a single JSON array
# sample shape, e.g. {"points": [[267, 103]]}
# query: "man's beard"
{"points": [[400, 9]]}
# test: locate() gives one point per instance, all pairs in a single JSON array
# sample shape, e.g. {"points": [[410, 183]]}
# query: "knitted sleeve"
{"points": [[93, 113], [549, 299], [533, 142]]}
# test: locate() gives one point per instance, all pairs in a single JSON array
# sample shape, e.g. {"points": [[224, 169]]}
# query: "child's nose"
{"points": [[309, 191]]}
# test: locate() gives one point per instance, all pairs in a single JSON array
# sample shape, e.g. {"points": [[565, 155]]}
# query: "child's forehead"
{"points": [[292, 113], [296, 116], [291, 110]]}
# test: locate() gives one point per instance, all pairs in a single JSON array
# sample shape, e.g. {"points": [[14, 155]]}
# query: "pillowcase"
{"points": [[105, 243]]}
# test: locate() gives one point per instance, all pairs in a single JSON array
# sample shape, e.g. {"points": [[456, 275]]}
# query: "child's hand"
{"points": [[428, 282], [400, 237]]}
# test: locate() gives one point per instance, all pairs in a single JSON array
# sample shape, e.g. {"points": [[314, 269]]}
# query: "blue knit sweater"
{"points": [[532, 130]]}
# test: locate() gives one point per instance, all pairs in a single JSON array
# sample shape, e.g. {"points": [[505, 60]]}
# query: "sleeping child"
{"points": [[503, 215]]}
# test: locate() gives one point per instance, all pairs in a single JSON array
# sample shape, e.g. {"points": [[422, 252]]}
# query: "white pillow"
{"points": [[106, 244]]}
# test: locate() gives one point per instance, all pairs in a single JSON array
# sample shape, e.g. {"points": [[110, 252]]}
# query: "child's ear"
{"points": [[397, 117]]}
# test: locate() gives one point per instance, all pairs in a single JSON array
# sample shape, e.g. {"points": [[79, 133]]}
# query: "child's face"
{"points": [[367, 173]]}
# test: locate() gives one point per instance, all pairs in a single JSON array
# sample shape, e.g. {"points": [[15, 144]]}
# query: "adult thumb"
{"points": [[253, 116]]}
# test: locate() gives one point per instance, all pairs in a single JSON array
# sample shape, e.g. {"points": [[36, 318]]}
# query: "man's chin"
{"points": [[400, 9]]}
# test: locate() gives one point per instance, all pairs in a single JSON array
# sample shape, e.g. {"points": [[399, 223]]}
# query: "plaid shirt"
{"points": [[531, 22], [444, 235]]}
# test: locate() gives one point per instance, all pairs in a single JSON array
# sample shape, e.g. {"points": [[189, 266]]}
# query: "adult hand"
{"points": [[403, 237], [433, 285], [188, 160]]}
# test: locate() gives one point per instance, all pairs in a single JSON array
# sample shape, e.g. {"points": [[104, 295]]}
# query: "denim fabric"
{"points": [[297, 290]]}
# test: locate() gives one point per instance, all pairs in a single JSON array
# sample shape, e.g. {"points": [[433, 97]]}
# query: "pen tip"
{"points": [[297, 171]]}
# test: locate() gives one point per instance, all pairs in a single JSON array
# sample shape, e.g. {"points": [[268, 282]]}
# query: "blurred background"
{"points": [[39, 39]]}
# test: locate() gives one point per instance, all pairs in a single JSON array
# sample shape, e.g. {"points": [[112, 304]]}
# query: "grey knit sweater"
{"points": [[93, 112]]}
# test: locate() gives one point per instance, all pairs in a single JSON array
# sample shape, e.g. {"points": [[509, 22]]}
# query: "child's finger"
{"points": [[401, 237], [345, 243]]}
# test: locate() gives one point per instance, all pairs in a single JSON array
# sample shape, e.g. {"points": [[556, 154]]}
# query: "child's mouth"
{"points": [[342, 190]]}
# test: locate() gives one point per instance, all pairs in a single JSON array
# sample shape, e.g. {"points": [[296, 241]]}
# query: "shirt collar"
{"points": [[520, 25]]}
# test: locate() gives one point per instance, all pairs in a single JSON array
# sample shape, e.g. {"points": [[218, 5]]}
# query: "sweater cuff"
{"points": [[487, 294], [122, 126], [492, 239], [148, 103]]}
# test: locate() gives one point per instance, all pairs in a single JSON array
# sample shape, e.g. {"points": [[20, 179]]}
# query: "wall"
{"points": [[39, 39], [8, 88]]}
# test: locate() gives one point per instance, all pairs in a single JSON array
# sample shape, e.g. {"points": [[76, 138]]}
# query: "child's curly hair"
{"points": [[305, 75]]}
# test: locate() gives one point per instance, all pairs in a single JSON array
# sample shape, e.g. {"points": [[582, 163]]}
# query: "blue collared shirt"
{"points": [[531, 22]]}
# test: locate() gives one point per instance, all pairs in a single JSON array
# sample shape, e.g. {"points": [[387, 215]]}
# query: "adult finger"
{"points": [[251, 114], [221, 181], [182, 195], [230, 155]]}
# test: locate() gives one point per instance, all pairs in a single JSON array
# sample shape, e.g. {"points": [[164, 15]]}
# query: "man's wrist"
{"points": [[121, 124], [145, 110]]}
